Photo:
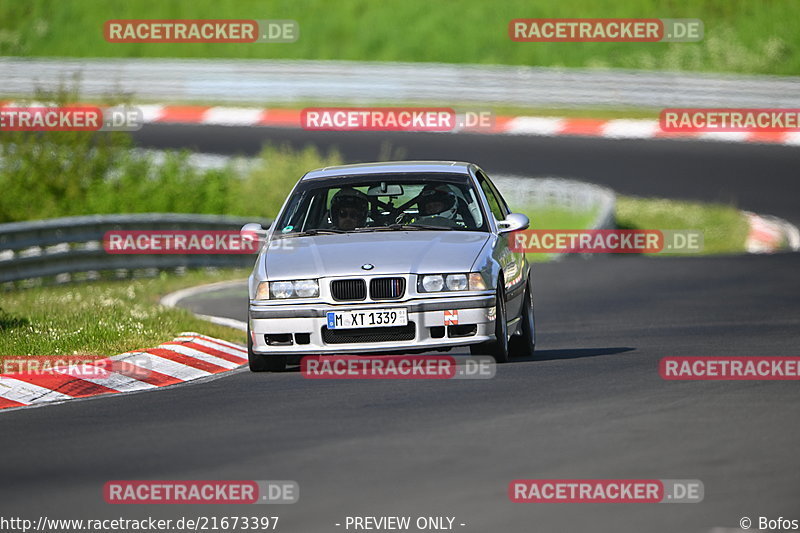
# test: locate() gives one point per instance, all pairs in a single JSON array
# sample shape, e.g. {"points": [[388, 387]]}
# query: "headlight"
{"points": [[281, 290], [432, 283], [456, 282], [451, 282], [306, 288]]}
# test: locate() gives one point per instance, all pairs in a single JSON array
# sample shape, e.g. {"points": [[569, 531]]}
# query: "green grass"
{"points": [[740, 35], [103, 318], [497, 110], [725, 228], [554, 218]]}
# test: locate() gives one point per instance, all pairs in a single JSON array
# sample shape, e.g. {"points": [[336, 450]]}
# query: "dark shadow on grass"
{"points": [[9, 321]]}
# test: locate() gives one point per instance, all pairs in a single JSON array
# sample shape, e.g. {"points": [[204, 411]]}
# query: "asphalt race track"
{"points": [[590, 405]]}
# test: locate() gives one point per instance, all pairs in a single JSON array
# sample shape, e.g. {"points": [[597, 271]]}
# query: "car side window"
{"points": [[502, 201], [496, 203]]}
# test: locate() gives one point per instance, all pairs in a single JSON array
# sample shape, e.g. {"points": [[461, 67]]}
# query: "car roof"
{"points": [[389, 167]]}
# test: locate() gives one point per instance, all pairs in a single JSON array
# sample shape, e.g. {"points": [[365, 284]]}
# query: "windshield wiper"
{"points": [[312, 232], [402, 227]]}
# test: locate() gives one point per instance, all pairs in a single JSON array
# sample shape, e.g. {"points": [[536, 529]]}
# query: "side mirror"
{"points": [[513, 222], [253, 234], [253, 228]]}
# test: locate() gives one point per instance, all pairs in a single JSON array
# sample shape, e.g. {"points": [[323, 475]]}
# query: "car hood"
{"points": [[394, 252]]}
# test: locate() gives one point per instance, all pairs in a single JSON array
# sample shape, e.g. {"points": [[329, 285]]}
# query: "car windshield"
{"points": [[442, 202]]}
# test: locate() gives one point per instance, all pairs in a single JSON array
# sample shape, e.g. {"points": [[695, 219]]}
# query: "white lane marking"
{"points": [[151, 113], [172, 299], [232, 116], [202, 356], [724, 136], [27, 393], [630, 129], [792, 137], [222, 321], [534, 126]]}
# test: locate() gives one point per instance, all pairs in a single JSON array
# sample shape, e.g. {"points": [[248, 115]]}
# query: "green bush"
{"points": [[56, 174]]}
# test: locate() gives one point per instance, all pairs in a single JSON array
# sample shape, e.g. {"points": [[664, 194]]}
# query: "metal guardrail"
{"points": [[355, 82], [571, 195], [70, 249]]}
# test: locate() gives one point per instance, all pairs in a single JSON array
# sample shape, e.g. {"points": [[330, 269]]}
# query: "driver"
{"points": [[438, 205], [349, 209]]}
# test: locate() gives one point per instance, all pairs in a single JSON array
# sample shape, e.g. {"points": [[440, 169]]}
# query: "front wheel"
{"points": [[497, 348], [525, 343], [263, 363]]}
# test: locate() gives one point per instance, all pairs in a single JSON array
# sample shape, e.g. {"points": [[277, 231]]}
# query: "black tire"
{"points": [[524, 344], [497, 348], [263, 363]]}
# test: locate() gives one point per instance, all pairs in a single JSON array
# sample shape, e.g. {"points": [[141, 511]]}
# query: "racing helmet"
{"points": [[349, 203], [438, 200]]}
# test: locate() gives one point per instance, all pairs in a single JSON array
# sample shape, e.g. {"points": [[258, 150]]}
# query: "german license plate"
{"points": [[373, 318]]}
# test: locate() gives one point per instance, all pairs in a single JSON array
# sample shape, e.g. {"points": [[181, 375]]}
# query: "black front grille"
{"points": [[387, 288], [390, 334], [348, 289]]}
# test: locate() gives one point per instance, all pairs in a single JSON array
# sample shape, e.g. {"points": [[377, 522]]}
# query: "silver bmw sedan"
{"points": [[392, 257]]}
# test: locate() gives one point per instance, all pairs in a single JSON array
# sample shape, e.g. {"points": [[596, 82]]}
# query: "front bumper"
{"points": [[301, 329]]}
